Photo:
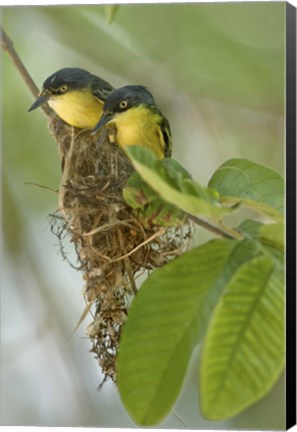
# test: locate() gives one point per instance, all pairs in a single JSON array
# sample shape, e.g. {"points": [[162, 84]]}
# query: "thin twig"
{"points": [[179, 419], [148, 240], [103, 228], [127, 263], [225, 232], [82, 317], [42, 186], [65, 177], [7, 45]]}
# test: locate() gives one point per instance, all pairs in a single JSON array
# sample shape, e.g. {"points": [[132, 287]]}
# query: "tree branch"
{"points": [[7, 45], [225, 232]]}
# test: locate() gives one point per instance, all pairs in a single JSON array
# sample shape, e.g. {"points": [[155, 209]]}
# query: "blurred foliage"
{"points": [[217, 72], [110, 12]]}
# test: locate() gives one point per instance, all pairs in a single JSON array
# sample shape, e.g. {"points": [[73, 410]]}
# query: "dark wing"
{"points": [[166, 133], [163, 132], [101, 89]]}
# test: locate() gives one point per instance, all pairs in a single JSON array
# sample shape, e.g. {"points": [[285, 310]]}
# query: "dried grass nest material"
{"points": [[113, 244]]}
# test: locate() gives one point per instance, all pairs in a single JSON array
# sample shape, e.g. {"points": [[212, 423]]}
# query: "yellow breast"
{"points": [[139, 126], [79, 108]]}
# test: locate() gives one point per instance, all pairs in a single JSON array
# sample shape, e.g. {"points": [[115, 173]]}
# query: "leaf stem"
{"points": [[222, 231]]}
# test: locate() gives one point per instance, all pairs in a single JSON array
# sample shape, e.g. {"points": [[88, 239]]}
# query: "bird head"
{"points": [[123, 99], [63, 81]]}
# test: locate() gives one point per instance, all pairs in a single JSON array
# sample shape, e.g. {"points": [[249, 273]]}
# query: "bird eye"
{"points": [[123, 104], [63, 88]]}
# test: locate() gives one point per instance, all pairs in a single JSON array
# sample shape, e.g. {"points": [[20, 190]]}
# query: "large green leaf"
{"points": [[273, 234], [243, 351], [165, 322], [255, 186], [174, 184]]}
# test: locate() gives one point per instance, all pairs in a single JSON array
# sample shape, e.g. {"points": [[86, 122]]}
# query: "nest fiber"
{"points": [[113, 242]]}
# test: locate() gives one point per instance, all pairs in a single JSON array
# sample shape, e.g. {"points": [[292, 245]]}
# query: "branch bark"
{"points": [[223, 231], [7, 45]]}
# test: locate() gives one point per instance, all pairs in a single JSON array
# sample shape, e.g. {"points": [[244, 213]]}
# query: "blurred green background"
{"points": [[217, 72]]}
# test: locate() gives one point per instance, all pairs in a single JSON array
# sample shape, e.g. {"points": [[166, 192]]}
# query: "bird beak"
{"points": [[42, 99], [105, 118]]}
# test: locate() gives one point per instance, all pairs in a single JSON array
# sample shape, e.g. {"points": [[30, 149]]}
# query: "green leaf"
{"points": [[137, 193], [243, 351], [152, 209], [255, 186], [165, 322], [273, 234], [250, 228], [175, 185], [161, 213]]}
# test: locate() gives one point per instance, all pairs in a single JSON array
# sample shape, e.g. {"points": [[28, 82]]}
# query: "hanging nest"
{"points": [[114, 243]]}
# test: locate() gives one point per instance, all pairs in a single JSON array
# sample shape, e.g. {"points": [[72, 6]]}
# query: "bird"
{"points": [[132, 112], [76, 95]]}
